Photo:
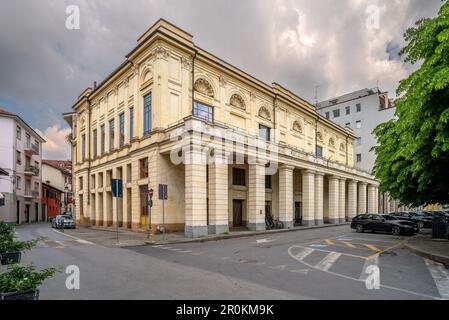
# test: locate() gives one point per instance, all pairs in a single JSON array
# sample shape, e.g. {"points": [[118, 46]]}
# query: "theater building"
{"points": [[229, 147]]}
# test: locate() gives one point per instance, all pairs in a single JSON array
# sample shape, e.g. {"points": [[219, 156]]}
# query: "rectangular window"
{"points": [[327, 115], [264, 132], [336, 113], [111, 134], [121, 118], [19, 157], [19, 133], [83, 147], [92, 181], [358, 107], [238, 177], [203, 111], [268, 182], [147, 114], [102, 139], [359, 157], [319, 151], [100, 180], [28, 140], [359, 141], [131, 124], [128, 172], [95, 143], [143, 168], [80, 187], [348, 110], [18, 182], [358, 124]]}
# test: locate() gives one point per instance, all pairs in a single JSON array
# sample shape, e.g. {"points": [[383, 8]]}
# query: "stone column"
{"points": [[362, 198], [286, 195], [371, 199], [342, 200], [352, 199], [256, 197], [334, 187], [376, 202], [308, 197], [195, 194], [319, 177], [218, 197]]}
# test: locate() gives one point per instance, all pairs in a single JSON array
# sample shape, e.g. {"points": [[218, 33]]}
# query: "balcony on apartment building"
{"points": [[31, 148], [29, 194], [31, 170]]}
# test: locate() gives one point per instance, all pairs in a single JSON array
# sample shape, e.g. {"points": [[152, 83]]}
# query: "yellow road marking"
{"points": [[329, 242], [371, 247], [348, 244]]}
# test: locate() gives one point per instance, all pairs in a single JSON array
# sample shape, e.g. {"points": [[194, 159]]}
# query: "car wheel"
{"points": [[359, 228], [421, 224], [396, 230]]}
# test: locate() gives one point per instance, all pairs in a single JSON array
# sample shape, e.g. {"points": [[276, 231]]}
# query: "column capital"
{"points": [[352, 181], [342, 178], [362, 183], [286, 167], [308, 171], [320, 174]]}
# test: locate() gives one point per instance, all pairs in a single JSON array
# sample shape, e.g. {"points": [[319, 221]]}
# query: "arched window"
{"points": [[237, 101], [204, 87], [264, 113]]}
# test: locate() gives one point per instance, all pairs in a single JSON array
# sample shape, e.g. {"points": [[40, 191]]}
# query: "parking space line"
{"points": [[440, 276], [328, 261], [348, 244], [304, 253], [372, 248], [329, 242]]}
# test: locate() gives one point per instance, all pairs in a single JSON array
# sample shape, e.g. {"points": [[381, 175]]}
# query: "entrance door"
{"points": [[237, 213], [144, 206], [18, 212], [36, 212], [27, 213], [44, 218], [298, 214]]}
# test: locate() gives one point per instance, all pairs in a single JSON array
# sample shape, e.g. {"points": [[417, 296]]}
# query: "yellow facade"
{"points": [[170, 69]]}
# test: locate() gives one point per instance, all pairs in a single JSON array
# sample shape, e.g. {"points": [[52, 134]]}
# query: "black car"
{"points": [[424, 217], [411, 217], [383, 223]]}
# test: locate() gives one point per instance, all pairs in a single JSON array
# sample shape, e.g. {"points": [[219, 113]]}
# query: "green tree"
{"points": [[413, 150]]}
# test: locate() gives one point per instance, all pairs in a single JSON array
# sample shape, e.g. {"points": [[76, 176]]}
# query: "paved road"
{"points": [[328, 263]]}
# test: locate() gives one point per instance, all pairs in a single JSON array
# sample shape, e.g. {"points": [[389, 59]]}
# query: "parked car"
{"points": [[409, 216], [63, 221], [424, 217], [383, 223]]}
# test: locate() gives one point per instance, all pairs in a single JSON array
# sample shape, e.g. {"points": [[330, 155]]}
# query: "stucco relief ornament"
{"points": [[319, 137], [160, 52], [264, 113], [342, 147], [252, 96], [297, 127], [204, 87], [222, 81], [186, 63], [237, 101]]}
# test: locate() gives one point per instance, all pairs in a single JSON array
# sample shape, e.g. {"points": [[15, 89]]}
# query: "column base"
{"points": [[287, 224], [308, 223], [334, 220], [319, 222], [256, 226], [218, 229], [195, 231]]}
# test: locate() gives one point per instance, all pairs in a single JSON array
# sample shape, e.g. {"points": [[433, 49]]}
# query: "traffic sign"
{"points": [[163, 192], [117, 188]]}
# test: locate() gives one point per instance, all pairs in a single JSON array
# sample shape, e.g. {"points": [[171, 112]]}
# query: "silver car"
{"points": [[63, 222]]}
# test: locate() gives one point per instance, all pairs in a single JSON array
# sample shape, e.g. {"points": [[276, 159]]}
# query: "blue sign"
{"points": [[163, 192], [117, 188]]}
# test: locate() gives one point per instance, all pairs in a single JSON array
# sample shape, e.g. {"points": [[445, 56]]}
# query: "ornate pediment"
{"points": [[342, 147], [331, 143], [204, 87], [264, 113], [237, 101], [319, 137]]}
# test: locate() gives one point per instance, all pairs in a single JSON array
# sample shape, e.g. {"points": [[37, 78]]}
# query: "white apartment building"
{"points": [[362, 111], [58, 174], [20, 157]]}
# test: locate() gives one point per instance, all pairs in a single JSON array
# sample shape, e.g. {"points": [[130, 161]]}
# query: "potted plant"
{"points": [[22, 282], [11, 248]]}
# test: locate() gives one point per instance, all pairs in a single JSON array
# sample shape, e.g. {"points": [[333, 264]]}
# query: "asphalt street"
{"points": [[328, 263]]}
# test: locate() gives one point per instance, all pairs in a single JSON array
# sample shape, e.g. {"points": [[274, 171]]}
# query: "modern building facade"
{"points": [[362, 111], [20, 157], [229, 148], [57, 179]]}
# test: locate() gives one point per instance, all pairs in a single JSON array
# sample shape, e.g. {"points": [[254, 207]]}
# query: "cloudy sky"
{"points": [[339, 46]]}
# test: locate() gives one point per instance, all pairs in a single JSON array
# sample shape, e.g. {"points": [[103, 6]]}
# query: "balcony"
{"points": [[31, 170], [32, 149], [29, 194]]}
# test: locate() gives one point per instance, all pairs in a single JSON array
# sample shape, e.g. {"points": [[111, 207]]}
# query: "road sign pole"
{"points": [[116, 209]]}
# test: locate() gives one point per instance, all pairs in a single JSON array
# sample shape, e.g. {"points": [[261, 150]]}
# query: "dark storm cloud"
{"points": [[300, 44]]}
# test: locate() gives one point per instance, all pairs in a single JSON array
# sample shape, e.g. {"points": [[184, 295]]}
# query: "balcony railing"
{"points": [[31, 193], [32, 148], [32, 170]]}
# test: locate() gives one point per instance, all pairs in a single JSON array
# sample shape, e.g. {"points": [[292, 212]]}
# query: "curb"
{"points": [[435, 257], [246, 235]]}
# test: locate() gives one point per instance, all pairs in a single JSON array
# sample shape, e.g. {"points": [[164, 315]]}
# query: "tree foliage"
{"points": [[413, 150]]}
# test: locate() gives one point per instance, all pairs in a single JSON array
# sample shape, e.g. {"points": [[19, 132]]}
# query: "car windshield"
{"points": [[66, 218]]}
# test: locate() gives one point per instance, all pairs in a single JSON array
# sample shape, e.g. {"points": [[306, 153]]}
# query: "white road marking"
{"points": [[304, 253], [185, 251], [302, 271], [441, 277], [328, 261], [83, 241], [266, 240], [373, 260], [175, 249], [281, 267]]}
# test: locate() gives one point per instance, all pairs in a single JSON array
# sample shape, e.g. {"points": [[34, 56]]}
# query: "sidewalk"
{"points": [[108, 237], [423, 245]]}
